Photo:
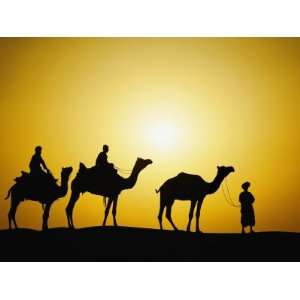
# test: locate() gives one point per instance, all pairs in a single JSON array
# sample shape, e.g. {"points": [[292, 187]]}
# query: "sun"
{"points": [[163, 135]]}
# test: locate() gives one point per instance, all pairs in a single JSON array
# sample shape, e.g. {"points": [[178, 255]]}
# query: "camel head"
{"points": [[225, 171], [65, 172], [142, 163]]}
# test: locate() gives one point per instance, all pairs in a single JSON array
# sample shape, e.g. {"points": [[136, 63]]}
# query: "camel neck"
{"points": [[215, 184], [63, 188], [132, 179]]}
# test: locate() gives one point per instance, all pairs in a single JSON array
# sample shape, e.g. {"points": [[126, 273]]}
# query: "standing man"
{"points": [[247, 210]]}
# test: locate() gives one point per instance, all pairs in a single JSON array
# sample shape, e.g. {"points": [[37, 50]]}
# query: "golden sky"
{"points": [[189, 104]]}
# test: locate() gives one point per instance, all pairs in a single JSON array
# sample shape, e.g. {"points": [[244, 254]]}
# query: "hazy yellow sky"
{"points": [[217, 101]]}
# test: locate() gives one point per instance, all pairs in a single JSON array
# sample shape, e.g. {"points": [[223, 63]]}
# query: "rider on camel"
{"points": [[101, 161], [37, 163]]}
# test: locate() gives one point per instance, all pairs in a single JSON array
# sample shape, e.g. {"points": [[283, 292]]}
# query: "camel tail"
{"points": [[8, 194]]}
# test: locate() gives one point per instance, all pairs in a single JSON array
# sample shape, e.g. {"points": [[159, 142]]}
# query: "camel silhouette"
{"points": [[107, 185], [27, 189], [188, 187]]}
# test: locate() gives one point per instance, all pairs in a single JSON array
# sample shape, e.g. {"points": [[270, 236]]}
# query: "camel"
{"points": [[27, 189], [188, 187], [110, 186]]}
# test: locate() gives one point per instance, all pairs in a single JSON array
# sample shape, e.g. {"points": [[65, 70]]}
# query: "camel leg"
{"points": [[168, 215], [12, 213], [161, 211], [104, 201], [199, 204], [191, 213], [14, 219], [110, 200], [46, 216], [114, 210], [70, 207]]}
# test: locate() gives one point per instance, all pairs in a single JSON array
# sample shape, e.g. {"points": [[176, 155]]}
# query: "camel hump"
{"points": [[183, 175], [188, 178]]}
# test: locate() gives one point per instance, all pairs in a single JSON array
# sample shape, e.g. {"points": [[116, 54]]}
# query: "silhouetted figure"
{"points": [[107, 185], [37, 163], [39, 173], [188, 187], [102, 157], [102, 163], [247, 212]]}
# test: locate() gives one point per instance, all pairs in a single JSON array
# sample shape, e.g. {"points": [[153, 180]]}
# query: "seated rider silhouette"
{"points": [[101, 161], [42, 175], [37, 175], [36, 163]]}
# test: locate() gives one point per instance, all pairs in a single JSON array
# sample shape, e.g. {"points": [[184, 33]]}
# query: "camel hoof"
{"points": [[199, 231]]}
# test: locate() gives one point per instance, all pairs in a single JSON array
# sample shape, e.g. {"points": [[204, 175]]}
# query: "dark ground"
{"points": [[139, 244]]}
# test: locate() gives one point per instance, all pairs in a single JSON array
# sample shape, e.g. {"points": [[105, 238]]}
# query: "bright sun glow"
{"points": [[164, 135]]}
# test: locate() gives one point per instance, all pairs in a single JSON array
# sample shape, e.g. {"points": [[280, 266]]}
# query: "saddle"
{"points": [[43, 179], [25, 175]]}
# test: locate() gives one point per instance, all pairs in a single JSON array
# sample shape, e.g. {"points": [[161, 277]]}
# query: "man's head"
{"points": [[246, 185], [38, 149], [105, 148]]}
